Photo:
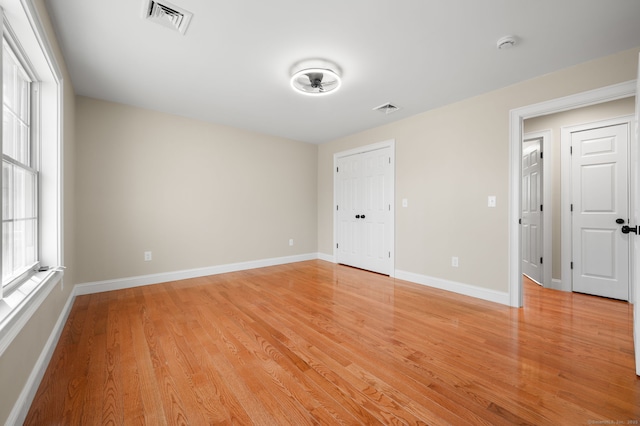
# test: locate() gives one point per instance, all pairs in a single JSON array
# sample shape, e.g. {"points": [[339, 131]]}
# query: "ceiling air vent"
{"points": [[387, 108], [167, 14]]}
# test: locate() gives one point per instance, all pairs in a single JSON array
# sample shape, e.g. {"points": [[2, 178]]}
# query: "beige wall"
{"points": [[448, 161], [555, 122], [19, 359], [195, 194]]}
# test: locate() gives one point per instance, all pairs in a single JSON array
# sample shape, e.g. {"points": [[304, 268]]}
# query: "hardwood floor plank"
{"points": [[317, 343]]}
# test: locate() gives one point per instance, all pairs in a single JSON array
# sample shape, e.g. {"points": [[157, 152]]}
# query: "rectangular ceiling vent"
{"points": [[168, 15], [387, 108]]}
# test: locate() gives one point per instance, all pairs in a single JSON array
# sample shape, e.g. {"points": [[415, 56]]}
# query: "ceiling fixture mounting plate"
{"points": [[315, 77], [167, 15]]}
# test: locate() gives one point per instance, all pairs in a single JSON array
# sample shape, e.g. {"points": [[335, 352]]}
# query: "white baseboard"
{"points": [[122, 283], [327, 257], [455, 287], [21, 407], [557, 285]]}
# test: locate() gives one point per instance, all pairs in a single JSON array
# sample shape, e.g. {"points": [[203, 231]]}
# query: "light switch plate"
{"points": [[491, 201]]}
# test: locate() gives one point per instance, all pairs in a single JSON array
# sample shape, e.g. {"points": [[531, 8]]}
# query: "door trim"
{"points": [[547, 201], [391, 143], [565, 184], [516, 118]]}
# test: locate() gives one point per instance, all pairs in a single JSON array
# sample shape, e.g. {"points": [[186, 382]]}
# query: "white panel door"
{"points": [[349, 191], [364, 204], [531, 212], [600, 198], [375, 210]]}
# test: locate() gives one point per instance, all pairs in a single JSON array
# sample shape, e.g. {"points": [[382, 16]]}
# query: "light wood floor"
{"points": [[317, 343]]}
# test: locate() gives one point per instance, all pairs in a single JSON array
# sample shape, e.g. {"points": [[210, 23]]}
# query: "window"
{"points": [[31, 178], [19, 172]]}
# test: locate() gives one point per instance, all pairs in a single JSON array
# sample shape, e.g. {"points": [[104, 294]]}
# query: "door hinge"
{"points": [[519, 221], [541, 261], [571, 206], [541, 155], [337, 169], [337, 208], [389, 160], [389, 207], [389, 255], [337, 245], [571, 265], [571, 150], [541, 208]]}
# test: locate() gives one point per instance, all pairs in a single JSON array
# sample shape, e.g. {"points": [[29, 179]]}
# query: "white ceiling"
{"points": [[233, 65]]}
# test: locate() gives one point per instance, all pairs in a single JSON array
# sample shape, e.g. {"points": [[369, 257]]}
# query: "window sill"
{"points": [[17, 307]]}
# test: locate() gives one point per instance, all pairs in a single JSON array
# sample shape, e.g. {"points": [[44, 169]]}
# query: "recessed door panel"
{"points": [[595, 242], [598, 188]]}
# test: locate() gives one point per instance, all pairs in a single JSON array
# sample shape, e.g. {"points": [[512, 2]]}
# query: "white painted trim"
{"points": [[566, 185], [11, 326], [455, 287], [547, 201], [556, 284], [21, 407], [141, 280], [516, 117], [327, 257], [635, 159], [391, 143]]}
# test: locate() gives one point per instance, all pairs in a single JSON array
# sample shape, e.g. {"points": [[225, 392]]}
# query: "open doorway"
{"points": [[556, 222], [517, 118]]}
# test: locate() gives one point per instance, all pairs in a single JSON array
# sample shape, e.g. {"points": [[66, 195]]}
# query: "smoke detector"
{"points": [[506, 42], [315, 77], [167, 15]]}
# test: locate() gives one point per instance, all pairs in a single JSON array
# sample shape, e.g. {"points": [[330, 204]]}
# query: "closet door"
{"points": [[364, 210]]}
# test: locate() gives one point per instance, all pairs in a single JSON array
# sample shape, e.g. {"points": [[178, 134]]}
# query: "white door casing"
{"points": [[531, 210], [600, 196], [635, 190], [364, 217]]}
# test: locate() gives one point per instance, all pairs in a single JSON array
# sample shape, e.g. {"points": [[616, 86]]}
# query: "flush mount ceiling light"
{"points": [[506, 42], [315, 77]]}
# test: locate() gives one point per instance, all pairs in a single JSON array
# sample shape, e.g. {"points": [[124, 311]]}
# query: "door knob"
{"points": [[361, 216], [357, 216], [619, 221], [626, 229]]}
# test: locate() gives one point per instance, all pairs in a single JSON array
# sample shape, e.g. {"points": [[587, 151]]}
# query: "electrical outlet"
{"points": [[290, 241], [405, 202], [491, 201], [454, 261], [147, 256]]}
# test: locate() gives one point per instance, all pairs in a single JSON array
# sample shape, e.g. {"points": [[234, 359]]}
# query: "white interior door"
{"points": [[364, 186], [349, 195], [600, 197], [531, 210]]}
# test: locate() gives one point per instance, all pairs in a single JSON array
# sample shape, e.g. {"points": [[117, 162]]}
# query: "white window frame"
{"points": [[34, 159], [21, 20]]}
